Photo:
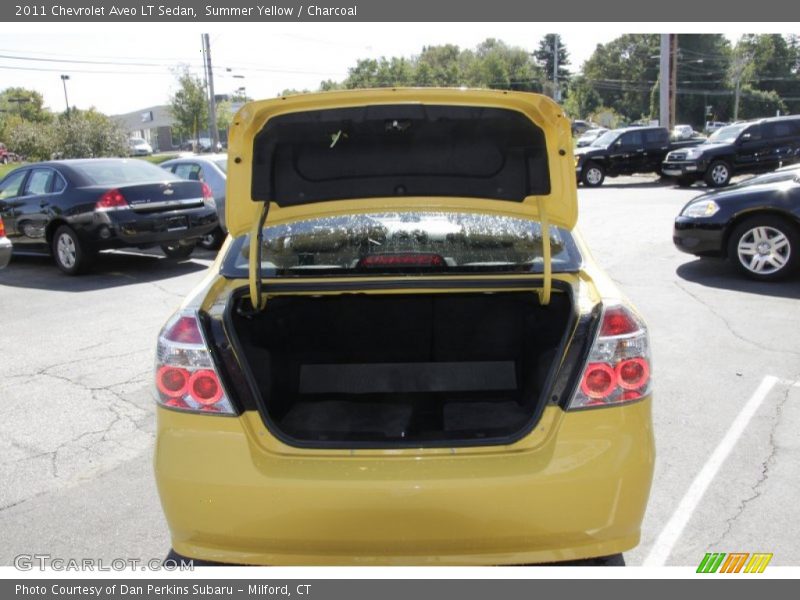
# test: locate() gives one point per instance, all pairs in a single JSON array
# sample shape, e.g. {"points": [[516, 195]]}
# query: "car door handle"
{"points": [[43, 203]]}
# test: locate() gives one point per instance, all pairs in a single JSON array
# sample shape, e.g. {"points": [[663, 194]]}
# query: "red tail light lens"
{"points": [[172, 381], [632, 373], [186, 377], [618, 367], [401, 260], [599, 380], [2, 228], [112, 200], [207, 195], [184, 331], [204, 387]]}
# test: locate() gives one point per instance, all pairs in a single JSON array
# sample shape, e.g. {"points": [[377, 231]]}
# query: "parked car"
{"points": [[139, 147], [623, 152], [750, 147], [202, 144], [683, 132], [394, 369], [212, 170], [580, 127], [590, 136], [5, 246], [5, 155], [756, 225], [712, 126], [75, 208]]}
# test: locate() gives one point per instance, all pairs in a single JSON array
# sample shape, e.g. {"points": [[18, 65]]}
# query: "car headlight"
{"points": [[693, 153], [702, 208]]}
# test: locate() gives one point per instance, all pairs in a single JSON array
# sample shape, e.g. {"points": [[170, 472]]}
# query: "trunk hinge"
{"points": [[256, 244], [544, 293]]}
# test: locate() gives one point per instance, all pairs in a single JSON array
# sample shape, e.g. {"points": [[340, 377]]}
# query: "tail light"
{"points": [[2, 228], [618, 367], [186, 378], [112, 200], [208, 196]]}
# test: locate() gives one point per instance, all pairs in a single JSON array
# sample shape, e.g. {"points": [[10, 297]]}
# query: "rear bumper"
{"points": [[700, 238], [580, 493], [118, 229], [5, 251]]}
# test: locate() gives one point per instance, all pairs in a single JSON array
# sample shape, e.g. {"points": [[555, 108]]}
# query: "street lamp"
{"points": [[64, 79]]}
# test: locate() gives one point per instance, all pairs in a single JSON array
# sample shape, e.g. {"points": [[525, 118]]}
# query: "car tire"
{"points": [[70, 255], [212, 241], [765, 247], [592, 175], [718, 174], [177, 250], [613, 560]]}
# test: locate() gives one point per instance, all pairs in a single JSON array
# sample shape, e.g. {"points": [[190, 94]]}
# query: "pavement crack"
{"points": [[757, 487], [729, 327]]}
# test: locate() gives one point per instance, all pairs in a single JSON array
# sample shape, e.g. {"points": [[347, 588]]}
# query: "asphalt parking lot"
{"points": [[77, 433]]}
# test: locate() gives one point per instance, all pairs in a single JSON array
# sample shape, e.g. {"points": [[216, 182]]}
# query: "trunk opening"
{"points": [[358, 370]]}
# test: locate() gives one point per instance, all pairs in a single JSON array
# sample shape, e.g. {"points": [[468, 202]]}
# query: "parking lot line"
{"points": [[672, 531]]}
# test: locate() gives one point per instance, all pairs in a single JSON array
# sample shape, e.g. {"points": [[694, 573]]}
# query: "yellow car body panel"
{"points": [[575, 486], [560, 205], [581, 491]]}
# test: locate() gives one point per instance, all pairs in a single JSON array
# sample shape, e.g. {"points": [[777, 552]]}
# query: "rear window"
{"points": [[115, 172], [406, 242], [399, 150]]}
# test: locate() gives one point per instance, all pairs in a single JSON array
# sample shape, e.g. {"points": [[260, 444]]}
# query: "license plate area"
{"points": [[177, 224]]}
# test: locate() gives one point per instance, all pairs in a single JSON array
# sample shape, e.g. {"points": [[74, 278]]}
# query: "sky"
{"points": [[120, 68]]}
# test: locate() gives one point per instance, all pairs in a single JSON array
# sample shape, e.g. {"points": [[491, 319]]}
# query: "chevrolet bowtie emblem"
{"points": [[169, 191]]}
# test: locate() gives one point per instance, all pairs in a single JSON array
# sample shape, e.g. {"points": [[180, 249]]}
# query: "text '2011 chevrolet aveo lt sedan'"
{"points": [[404, 353]]}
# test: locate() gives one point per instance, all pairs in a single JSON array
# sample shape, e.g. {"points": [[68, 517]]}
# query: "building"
{"points": [[153, 124]]}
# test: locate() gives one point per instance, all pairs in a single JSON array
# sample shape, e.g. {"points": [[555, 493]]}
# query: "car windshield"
{"points": [[727, 134], [115, 172], [403, 242], [607, 138]]}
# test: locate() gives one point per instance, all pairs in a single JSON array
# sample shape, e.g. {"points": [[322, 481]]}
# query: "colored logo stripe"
{"points": [[734, 562], [758, 562], [711, 562]]}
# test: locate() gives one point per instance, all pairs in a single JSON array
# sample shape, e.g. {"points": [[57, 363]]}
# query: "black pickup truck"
{"points": [[748, 147], [625, 151]]}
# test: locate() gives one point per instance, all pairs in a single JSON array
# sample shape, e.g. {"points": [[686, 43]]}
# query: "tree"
{"points": [[546, 56], [25, 103], [623, 72], [582, 98], [189, 104], [89, 133], [772, 65], [31, 139]]}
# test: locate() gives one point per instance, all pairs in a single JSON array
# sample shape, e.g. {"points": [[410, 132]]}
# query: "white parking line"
{"points": [[672, 531]]}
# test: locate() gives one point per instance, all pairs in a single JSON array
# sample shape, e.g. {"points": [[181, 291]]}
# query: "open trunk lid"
{"points": [[329, 154]]}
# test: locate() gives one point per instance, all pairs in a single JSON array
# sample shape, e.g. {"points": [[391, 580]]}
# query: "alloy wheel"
{"points": [[764, 250], [719, 174], [594, 176], [67, 252]]}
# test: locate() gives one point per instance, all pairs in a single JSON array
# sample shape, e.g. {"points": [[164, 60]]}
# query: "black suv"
{"points": [[750, 147], [623, 152]]}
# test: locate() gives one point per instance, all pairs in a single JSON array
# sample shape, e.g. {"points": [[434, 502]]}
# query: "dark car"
{"points": [[751, 147], [624, 152], [5, 246], [211, 169], [756, 225], [75, 208]]}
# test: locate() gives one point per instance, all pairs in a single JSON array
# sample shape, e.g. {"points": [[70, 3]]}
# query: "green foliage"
{"points": [[755, 103], [31, 139], [189, 104], [582, 99], [24, 103], [88, 133], [224, 115], [607, 117], [545, 55]]}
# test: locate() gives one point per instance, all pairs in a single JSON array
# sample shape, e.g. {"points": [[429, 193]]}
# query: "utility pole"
{"points": [[663, 87], [212, 105], [64, 79], [738, 69], [673, 78], [556, 94]]}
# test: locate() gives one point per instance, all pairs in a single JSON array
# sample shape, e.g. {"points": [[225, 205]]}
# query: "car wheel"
{"points": [[70, 255], [178, 250], [765, 247], [213, 240], [593, 175], [718, 174]]}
